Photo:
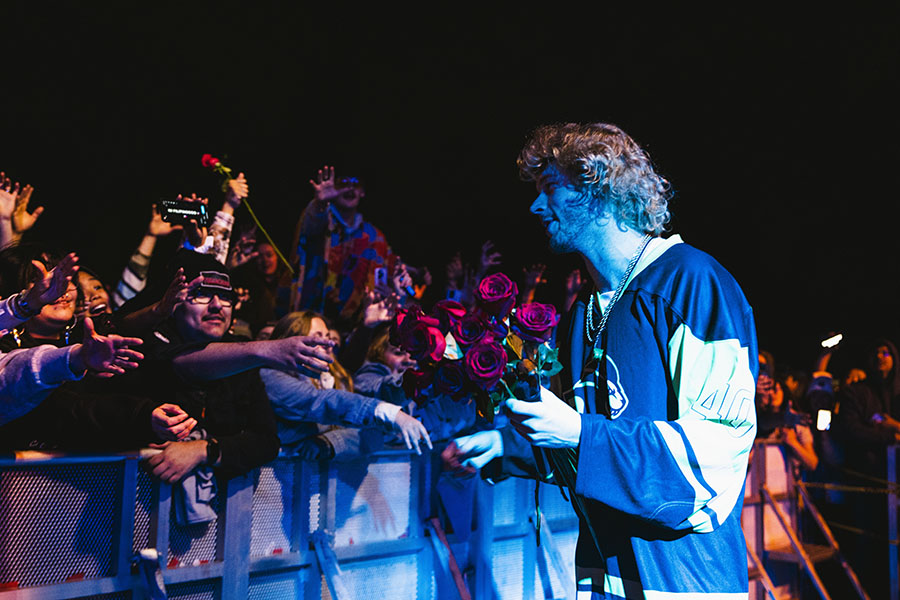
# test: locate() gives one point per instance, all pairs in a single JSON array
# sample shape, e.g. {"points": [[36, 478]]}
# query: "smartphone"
{"points": [[182, 211], [832, 341], [823, 420], [381, 277]]}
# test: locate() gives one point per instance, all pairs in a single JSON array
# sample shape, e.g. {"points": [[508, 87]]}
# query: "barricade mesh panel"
{"points": [[507, 567], [142, 510], [114, 596], [565, 545], [372, 502], [56, 522], [194, 590], [282, 586], [273, 501], [190, 544], [510, 501], [312, 481], [396, 578]]}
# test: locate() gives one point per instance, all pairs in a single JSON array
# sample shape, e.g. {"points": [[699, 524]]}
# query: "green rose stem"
{"points": [[226, 171]]}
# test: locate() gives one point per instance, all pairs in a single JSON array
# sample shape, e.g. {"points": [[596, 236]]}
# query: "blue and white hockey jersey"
{"points": [[662, 476]]}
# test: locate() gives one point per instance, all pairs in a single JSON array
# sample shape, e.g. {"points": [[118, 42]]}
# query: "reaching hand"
{"points": [[106, 355], [376, 313], [467, 454], [9, 194], [242, 250], [489, 258], [411, 431], [534, 276], [177, 459], [323, 185], [238, 189], [169, 422], [175, 294], [158, 227], [574, 282], [23, 220], [549, 422], [401, 279], [455, 271], [49, 286], [304, 353]]}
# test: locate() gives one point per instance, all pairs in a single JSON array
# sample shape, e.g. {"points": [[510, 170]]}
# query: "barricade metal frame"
{"points": [[316, 564]]}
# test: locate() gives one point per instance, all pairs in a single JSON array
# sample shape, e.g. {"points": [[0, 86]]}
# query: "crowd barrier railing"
{"points": [[72, 526]]}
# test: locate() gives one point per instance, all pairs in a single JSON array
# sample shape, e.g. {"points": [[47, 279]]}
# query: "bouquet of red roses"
{"points": [[492, 352]]}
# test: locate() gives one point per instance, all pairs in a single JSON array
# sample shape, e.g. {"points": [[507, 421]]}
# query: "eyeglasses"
{"points": [[225, 301]]}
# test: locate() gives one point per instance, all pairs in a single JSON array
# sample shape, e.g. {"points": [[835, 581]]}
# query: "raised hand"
{"points": [[377, 309], [49, 286], [22, 220], [171, 423], [105, 355], [323, 185], [158, 227], [9, 194], [401, 279], [455, 271], [533, 276], [574, 282], [238, 189], [175, 294], [489, 258], [242, 251]]}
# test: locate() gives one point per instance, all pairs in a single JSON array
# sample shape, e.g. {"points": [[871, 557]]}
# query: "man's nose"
{"points": [[539, 205]]}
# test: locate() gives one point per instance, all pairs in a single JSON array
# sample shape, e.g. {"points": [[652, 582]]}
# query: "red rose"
{"points": [[485, 363], [420, 336], [534, 322], [209, 161], [450, 378], [416, 381], [469, 330], [496, 295], [448, 312]]}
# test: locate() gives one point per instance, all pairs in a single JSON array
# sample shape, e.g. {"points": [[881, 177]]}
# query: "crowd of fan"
{"points": [[235, 351]]}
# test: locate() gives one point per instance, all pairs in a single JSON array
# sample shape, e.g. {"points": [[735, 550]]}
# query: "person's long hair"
{"points": [[300, 323]]}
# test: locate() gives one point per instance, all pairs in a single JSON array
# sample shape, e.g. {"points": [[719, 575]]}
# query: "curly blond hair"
{"points": [[610, 170]]}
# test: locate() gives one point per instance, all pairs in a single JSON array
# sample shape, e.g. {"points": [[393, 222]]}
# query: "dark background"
{"points": [[777, 130]]}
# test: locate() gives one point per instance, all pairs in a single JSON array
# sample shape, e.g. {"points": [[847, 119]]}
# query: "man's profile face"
{"points": [[206, 321], [562, 210]]}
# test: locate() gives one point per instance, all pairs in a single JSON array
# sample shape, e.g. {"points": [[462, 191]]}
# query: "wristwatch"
{"points": [[212, 451]]}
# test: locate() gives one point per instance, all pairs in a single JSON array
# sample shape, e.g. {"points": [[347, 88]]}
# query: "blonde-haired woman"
{"points": [[302, 403]]}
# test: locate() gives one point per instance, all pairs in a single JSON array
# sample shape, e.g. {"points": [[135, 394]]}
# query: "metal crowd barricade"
{"points": [[71, 526]]}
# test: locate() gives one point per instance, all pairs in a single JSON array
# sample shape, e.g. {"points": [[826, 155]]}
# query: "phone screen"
{"points": [[823, 420]]}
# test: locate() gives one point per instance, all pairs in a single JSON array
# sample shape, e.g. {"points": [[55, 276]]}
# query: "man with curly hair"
{"points": [[651, 422]]}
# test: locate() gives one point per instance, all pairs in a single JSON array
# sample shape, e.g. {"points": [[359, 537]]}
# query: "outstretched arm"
{"points": [[305, 354]]}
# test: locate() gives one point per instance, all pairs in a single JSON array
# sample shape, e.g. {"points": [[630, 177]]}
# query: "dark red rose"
{"points": [[485, 363], [209, 161], [496, 295], [534, 322], [421, 340], [469, 330], [405, 321], [416, 381], [448, 312], [450, 378]]}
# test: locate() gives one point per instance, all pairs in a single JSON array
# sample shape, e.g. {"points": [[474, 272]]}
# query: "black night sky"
{"points": [[778, 130]]}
